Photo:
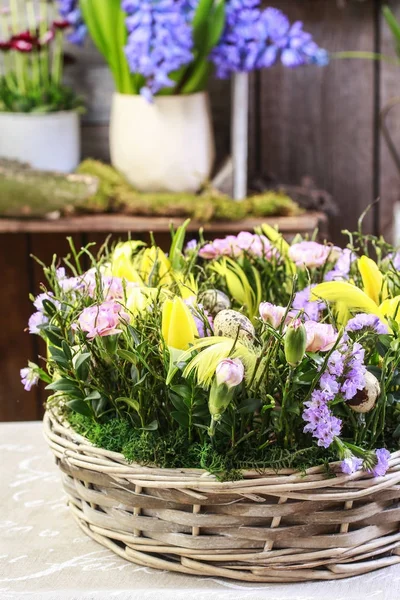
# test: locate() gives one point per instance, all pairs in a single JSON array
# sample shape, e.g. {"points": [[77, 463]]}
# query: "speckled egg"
{"points": [[214, 301], [365, 399], [227, 323]]}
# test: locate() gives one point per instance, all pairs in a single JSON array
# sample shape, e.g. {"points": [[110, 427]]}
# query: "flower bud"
{"points": [[295, 342], [272, 314], [229, 372], [365, 399]]}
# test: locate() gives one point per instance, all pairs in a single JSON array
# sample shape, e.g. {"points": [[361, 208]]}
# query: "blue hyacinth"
{"points": [[256, 39], [159, 41], [69, 10]]}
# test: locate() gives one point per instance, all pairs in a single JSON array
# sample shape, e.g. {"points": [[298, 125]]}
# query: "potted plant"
{"points": [[231, 409], [39, 117], [161, 54]]}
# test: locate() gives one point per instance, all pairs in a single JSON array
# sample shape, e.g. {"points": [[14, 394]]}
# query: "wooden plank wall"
{"points": [[308, 121]]}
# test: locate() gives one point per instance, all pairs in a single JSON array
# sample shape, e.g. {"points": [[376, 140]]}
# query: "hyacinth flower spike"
{"points": [[349, 298]]}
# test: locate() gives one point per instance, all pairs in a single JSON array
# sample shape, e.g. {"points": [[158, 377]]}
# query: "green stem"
{"points": [[367, 55], [35, 60], [44, 52], [57, 59]]}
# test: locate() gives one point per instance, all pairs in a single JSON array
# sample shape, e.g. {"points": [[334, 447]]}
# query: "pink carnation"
{"points": [[272, 314], [233, 246], [309, 254], [320, 337], [102, 320]]}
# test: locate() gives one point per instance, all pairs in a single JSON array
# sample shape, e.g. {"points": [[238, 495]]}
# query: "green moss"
{"points": [[116, 194], [175, 451]]}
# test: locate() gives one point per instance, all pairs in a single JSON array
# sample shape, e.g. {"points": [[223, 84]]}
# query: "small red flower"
{"points": [[61, 24], [22, 46]]}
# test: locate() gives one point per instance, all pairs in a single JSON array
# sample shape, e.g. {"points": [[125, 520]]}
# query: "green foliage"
{"points": [[38, 100]]}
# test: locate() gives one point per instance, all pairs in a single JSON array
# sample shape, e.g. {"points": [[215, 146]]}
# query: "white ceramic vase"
{"points": [[49, 142], [164, 146]]}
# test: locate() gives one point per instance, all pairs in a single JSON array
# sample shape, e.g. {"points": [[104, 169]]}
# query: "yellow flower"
{"points": [[178, 326], [154, 262], [348, 298], [122, 262], [140, 298]]}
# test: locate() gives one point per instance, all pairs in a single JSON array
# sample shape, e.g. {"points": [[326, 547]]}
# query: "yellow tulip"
{"points": [[122, 266], [154, 260], [140, 298], [178, 325]]}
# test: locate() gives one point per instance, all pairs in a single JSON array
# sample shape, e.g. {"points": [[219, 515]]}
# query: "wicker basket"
{"points": [[267, 527]]}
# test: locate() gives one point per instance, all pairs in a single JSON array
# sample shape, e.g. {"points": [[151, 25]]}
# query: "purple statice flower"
{"points": [[29, 376], [159, 41], [351, 464], [341, 270], [191, 246], [366, 321], [255, 39], [38, 303], [69, 10], [382, 463], [302, 301], [35, 321], [323, 425], [344, 375]]}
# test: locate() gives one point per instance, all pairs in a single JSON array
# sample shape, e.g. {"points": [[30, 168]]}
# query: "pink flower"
{"points": [[233, 246], [102, 320], [309, 254], [272, 314], [229, 372], [320, 337]]}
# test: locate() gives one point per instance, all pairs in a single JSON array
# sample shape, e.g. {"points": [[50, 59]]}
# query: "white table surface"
{"points": [[45, 556]]}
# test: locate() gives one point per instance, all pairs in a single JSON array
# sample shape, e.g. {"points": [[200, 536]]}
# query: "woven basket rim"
{"points": [[54, 422]]}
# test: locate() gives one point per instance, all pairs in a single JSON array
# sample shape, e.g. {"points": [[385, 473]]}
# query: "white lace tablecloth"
{"points": [[45, 556]]}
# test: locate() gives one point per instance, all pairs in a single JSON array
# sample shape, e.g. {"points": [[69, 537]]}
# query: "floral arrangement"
{"points": [[243, 352], [171, 46], [31, 59]]}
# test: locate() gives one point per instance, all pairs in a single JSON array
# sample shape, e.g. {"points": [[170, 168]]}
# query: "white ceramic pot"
{"points": [[164, 146], [49, 142]]}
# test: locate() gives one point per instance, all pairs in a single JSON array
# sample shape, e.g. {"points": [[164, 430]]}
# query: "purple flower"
{"points": [[341, 271], [351, 464], [366, 321], [29, 376], [382, 464], [35, 321], [255, 39], [102, 320], [159, 41], [302, 301], [191, 246], [70, 11], [344, 375], [38, 303]]}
